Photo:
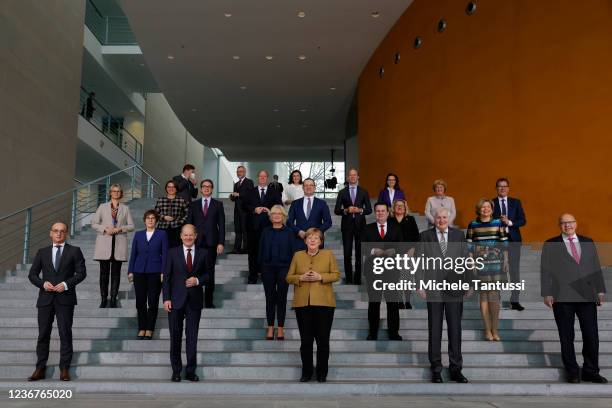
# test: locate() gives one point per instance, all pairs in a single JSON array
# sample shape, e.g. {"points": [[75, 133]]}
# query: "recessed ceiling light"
{"points": [[301, 57], [228, 15], [375, 14], [277, 126], [301, 14], [275, 110], [304, 126], [236, 57], [131, 110], [243, 87], [170, 57], [303, 110], [332, 88], [194, 110], [269, 57], [141, 64]]}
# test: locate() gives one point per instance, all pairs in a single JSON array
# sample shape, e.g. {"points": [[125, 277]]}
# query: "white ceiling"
{"points": [[203, 81]]}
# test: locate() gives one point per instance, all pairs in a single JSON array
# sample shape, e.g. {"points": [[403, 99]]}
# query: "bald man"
{"points": [[573, 285], [185, 274], [63, 267]]}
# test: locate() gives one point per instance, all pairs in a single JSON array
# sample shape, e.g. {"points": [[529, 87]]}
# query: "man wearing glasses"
{"points": [[63, 267]]}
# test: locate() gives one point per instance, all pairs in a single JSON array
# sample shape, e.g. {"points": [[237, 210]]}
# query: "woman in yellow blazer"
{"points": [[312, 273]]}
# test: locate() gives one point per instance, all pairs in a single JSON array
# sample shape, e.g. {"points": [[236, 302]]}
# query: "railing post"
{"points": [[26, 236], [149, 187], [106, 192], [73, 213], [133, 181]]}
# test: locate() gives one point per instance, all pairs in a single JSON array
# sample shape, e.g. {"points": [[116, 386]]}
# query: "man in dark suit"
{"points": [[510, 211], [353, 203], [382, 232], [572, 285], [277, 185], [308, 212], [185, 273], [208, 216], [444, 242], [257, 205], [241, 189], [63, 267], [186, 183]]}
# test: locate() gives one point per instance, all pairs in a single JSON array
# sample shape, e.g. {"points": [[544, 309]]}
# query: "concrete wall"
{"points": [[168, 145], [41, 45]]}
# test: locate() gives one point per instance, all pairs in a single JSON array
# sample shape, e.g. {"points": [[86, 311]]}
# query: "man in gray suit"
{"points": [[444, 242]]}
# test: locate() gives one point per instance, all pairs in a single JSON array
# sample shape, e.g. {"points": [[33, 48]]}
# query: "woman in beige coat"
{"points": [[312, 272], [113, 221]]}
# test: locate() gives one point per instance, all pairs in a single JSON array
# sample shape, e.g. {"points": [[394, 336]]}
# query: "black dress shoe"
{"points": [[321, 378], [176, 378], [192, 377], [573, 380], [436, 378], [103, 303], [458, 377], [594, 378], [113, 303], [305, 378], [395, 337], [372, 337], [408, 305], [516, 306]]}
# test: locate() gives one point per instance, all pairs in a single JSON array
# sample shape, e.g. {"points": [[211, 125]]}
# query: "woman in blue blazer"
{"points": [[276, 249], [147, 261], [392, 191]]}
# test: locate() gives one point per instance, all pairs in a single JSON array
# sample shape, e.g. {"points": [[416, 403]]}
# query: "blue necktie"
{"points": [[58, 257]]}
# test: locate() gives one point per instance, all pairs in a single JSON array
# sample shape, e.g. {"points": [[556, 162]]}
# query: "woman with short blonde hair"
{"points": [[440, 199]]}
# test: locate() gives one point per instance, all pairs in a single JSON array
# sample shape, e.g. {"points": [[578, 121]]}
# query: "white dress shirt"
{"points": [[54, 255], [500, 199], [305, 206], [150, 234], [576, 244], [439, 234], [391, 193], [185, 248]]}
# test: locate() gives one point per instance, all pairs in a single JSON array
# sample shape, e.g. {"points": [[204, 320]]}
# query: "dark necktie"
{"points": [[205, 211], [58, 257], [443, 243], [504, 209], [308, 208], [262, 194], [189, 261]]}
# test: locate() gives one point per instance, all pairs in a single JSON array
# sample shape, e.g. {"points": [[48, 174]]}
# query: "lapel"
{"points": [[62, 259], [119, 214], [48, 258]]}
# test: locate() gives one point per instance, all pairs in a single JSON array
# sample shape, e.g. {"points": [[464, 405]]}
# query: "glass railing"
{"points": [[109, 30], [110, 126]]}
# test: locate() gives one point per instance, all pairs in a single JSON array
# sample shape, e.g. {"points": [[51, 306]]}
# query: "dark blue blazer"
{"points": [[280, 241], [148, 256], [320, 218], [384, 197], [175, 276], [211, 229], [515, 214]]}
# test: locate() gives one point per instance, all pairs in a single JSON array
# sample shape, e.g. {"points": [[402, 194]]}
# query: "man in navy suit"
{"points": [[241, 189], [185, 273], [257, 205], [353, 204], [208, 216], [510, 211], [572, 285], [308, 212], [63, 267]]}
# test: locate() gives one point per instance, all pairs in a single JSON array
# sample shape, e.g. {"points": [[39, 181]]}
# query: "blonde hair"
{"points": [[481, 202], [278, 208], [395, 202], [439, 182], [312, 231], [115, 186]]}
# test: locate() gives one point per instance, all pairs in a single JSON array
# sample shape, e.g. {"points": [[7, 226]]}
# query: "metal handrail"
{"points": [[77, 203]]}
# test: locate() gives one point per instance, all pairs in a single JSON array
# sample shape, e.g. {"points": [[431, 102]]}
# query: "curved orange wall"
{"points": [[521, 89]]}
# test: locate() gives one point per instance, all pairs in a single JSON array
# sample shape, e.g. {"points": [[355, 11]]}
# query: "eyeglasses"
{"points": [[58, 231], [206, 186], [115, 191], [502, 186], [564, 223]]}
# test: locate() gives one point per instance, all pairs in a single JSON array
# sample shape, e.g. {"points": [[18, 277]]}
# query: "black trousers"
{"points": [[514, 261], [350, 237], [435, 317], [174, 236], [147, 287], [314, 324], [393, 319], [275, 287], [192, 325], [46, 315], [254, 236], [565, 314], [111, 268], [240, 228], [209, 287]]}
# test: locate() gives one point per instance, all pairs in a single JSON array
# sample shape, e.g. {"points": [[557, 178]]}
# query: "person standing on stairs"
{"points": [[186, 183], [241, 189], [173, 211], [63, 267], [308, 212], [112, 221], [486, 237], [147, 260]]}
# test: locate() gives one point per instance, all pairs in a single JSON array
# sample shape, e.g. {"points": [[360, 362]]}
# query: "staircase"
{"points": [[235, 359]]}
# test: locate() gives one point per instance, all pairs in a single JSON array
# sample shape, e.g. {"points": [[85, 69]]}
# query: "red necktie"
{"points": [[205, 211], [189, 261], [574, 250], [382, 231]]}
